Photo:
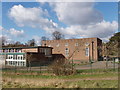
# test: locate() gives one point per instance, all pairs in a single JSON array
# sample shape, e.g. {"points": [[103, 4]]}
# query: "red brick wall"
{"points": [[59, 48]]}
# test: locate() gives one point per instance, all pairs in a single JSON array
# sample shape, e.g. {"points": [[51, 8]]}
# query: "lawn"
{"points": [[99, 78]]}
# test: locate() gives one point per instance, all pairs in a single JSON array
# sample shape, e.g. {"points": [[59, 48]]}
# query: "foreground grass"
{"points": [[62, 84], [82, 79]]}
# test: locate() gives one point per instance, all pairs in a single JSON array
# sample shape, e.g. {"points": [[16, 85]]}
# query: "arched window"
{"points": [[87, 52], [58, 45], [67, 52]]}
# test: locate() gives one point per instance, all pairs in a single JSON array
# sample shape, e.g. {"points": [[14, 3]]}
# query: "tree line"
{"points": [[56, 35], [112, 47]]}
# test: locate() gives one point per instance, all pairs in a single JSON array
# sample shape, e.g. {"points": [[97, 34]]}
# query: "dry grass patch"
{"points": [[31, 83]]}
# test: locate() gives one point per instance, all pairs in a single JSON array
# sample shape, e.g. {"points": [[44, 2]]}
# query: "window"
{"points": [[20, 51], [16, 50], [18, 57], [8, 57], [87, 52], [9, 62], [11, 50], [13, 62], [21, 57], [66, 44], [76, 44], [6, 51], [66, 52], [57, 45], [42, 50], [15, 56], [87, 44], [18, 63], [21, 64]]}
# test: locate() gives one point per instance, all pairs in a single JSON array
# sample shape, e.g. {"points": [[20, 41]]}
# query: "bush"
{"points": [[60, 67]]}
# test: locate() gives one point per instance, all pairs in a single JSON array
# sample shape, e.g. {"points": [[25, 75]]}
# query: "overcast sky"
{"points": [[27, 20]]}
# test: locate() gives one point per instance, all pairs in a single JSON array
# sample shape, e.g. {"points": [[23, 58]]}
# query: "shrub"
{"points": [[61, 67]]}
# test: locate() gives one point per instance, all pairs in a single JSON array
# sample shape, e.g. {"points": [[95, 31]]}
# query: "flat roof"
{"points": [[25, 47], [12, 53], [74, 39]]}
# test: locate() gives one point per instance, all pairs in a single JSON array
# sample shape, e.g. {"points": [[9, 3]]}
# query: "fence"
{"points": [[47, 67]]}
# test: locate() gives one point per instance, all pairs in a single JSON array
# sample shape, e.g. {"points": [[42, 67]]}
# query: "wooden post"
{"points": [[15, 66], [40, 68], [91, 67], [114, 64], [106, 63]]}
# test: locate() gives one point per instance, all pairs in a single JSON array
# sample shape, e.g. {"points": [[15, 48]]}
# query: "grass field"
{"points": [[99, 78]]}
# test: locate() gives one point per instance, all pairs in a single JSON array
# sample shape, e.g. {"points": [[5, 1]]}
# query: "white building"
{"points": [[19, 56]]}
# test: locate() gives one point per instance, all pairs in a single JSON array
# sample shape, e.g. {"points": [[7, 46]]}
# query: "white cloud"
{"points": [[1, 28], [7, 39], [11, 34], [43, 1], [82, 20], [12, 31], [17, 33], [33, 17], [80, 13], [102, 30]]}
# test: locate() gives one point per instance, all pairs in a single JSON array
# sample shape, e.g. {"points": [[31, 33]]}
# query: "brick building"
{"points": [[78, 50]]}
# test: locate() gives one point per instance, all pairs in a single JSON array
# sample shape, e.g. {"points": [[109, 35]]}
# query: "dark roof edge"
{"points": [[24, 47], [75, 39]]}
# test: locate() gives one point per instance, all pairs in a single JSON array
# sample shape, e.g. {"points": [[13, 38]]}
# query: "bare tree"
{"points": [[44, 38], [57, 35], [17, 43], [31, 42]]}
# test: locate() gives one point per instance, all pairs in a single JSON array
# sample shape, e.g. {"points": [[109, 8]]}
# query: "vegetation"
{"points": [[57, 35], [84, 79], [31, 42], [61, 67], [44, 38], [17, 83], [113, 45]]}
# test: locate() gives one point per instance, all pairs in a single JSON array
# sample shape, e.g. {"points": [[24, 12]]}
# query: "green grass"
{"points": [[65, 77], [78, 71], [82, 79], [97, 70], [98, 73]]}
